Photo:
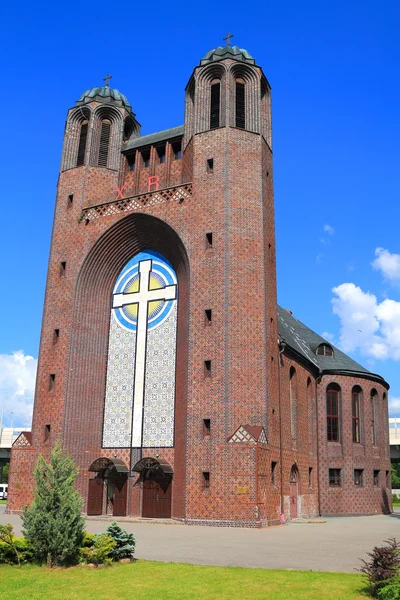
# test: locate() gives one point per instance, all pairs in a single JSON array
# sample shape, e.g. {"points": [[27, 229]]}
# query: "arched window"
{"points": [[356, 409], [332, 412], [215, 103], [240, 119], [104, 142], [80, 160], [373, 401], [324, 350], [293, 402]]}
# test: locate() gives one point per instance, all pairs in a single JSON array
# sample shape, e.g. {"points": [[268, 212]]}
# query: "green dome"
{"points": [[233, 52], [106, 95]]}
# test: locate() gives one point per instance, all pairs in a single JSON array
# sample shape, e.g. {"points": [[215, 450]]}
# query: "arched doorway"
{"points": [[294, 492], [108, 489], [155, 478]]}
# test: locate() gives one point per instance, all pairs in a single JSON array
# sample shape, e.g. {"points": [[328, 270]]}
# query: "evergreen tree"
{"points": [[125, 542], [53, 525]]}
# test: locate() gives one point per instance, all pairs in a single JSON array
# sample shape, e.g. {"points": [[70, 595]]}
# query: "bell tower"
{"points": [[228, 136]]}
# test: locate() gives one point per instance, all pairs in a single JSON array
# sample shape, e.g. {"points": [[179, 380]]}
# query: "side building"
{"points": [[165, 367]]}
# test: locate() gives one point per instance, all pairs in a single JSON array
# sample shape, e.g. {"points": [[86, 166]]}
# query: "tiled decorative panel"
{"points": [[140, 390]]}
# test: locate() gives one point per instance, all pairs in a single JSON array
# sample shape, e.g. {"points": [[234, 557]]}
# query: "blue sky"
{"points": [[334, 72]]}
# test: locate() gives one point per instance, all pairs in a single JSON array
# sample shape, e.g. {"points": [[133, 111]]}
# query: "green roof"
{"points": [[104, 94], [155, 138], [232, 52], [302, 340]]}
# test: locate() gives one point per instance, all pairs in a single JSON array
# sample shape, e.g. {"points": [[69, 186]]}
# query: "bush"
{"points": [[100, 551], [53, 525], [125, 542], [396, 498], [8, 555], [383, 565], [391, 590], [88, 540]]}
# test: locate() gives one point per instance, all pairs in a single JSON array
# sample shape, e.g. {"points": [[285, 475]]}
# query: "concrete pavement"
{"points": [[336, 545]]}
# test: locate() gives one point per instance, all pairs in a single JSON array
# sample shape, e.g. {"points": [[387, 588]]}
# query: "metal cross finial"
{"points": [[106, 78], [228, 38]]}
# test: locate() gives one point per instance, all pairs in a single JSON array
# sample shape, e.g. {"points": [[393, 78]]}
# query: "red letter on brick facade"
{"points": [[119, 194], [153, 180]]}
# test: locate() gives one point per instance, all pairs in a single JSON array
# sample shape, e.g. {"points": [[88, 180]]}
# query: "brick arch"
{"points": [[72, 134], [88, 343], [202, 98], [114, 115], [250, 77]]}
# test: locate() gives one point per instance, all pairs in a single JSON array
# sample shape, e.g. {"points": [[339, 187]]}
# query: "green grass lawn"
{"points": [[145, 580], [3, 501]]}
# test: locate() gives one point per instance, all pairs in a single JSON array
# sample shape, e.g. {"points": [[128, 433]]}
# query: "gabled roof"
{"points": [[23, 440], [249, 434], [302, 340], [155, 138]]}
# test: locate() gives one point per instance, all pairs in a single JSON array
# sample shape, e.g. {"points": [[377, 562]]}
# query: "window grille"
{"points": [[104, 142], [215, 105], [358, 477], [355, 396], [332, 415], [240, 105], [335, 477], [82, 143]]}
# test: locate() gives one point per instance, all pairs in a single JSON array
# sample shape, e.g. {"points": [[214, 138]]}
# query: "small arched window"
{"points": [[332, 412], [373, 411], [80, 160], [215, 103], [324, 350], [356, 409], [240, 104], [104, 142]]}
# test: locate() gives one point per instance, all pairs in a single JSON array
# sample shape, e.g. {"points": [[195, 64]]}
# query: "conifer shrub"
{"points": [[100, 551], [124, 542], [52, 525], [382, 567]]}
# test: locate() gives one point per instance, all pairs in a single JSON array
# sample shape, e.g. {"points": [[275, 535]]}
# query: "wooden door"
{"points": [[157, 498], [120, 496], [293, 500], [95, 497]]}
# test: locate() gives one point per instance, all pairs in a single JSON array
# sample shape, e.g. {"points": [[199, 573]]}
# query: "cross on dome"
{"points": [[106, 78], [228, 38]]}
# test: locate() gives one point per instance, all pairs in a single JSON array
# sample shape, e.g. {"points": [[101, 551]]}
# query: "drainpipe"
{"points": [[282, 345], [317, 381]]}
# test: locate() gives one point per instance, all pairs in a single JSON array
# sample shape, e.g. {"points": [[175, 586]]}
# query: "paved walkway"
{"points": [[336, 545]]}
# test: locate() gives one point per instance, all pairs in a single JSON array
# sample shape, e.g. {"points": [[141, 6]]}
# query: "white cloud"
{"points": [[388, 264], [329, 230], [367, 325], [394, 405], [328, 336], [17, 386]]}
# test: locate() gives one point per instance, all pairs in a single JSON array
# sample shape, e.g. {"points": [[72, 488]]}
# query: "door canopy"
{"points": [[112, 464], [154, 465]]}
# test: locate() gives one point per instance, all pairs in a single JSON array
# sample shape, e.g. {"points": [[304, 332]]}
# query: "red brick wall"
{"points": [[346, 455]]}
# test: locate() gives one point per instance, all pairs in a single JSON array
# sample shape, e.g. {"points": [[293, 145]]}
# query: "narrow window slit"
{"points": [[52, 380], [206, 479]]}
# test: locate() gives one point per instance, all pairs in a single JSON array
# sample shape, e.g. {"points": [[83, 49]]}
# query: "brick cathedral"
{"points": [[166, 368]]}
